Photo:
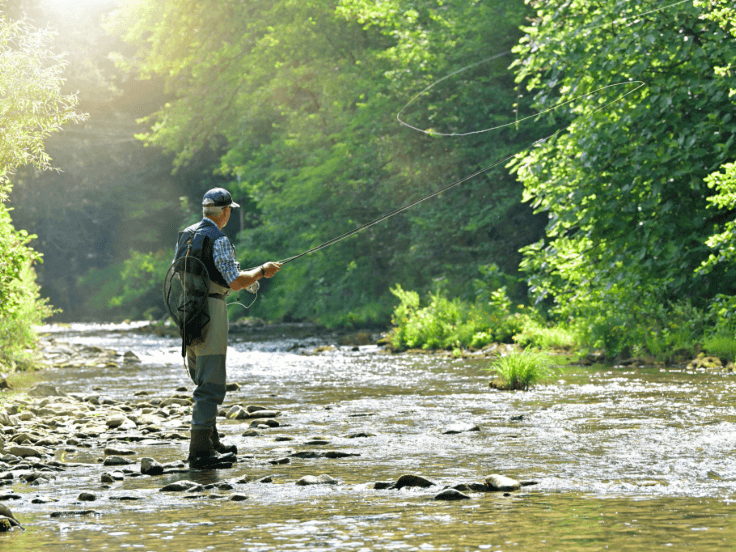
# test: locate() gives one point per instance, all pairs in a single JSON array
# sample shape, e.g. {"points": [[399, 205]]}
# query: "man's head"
{"points": [[217, 204]]}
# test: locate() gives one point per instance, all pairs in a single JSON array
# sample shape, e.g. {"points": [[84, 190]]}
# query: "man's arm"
{"points": [[248, 277]]}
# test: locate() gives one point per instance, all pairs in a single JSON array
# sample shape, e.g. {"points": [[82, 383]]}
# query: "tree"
{"points": [[31, 108], [624, 185], [305, 96]]}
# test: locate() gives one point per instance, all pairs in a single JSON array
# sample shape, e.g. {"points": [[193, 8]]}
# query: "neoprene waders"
{"points": [[202, 454]]}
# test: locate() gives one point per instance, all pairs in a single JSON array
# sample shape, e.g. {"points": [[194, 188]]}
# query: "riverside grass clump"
{"points": [[521, 370]]}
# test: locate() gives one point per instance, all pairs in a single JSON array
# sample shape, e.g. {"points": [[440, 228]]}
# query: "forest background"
{"points": [[615, 232]]}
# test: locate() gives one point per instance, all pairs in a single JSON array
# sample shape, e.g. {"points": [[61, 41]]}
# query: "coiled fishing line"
{"points": [[636, 84]]}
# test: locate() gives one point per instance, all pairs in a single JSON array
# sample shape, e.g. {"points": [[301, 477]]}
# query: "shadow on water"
{"points": [[625, 459]]}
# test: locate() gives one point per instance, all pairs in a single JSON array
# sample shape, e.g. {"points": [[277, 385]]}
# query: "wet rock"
{"points": [[280, 461], [112, 451], [382, 485], [359, 435], [340, 454], [24, 451], [409, 480], [529, 483], [87, 496], [250, 433], [264, 413], [36, 478], [267, 479], [117, 461], [10, 496], [5, 420], [282, 438], [120, 421], [126, 498], [131, 358], [44, 500], [265, 422], [180, 401], [317, 442], [106, 477], [478, 487], [44, 390], [454, 429], [238, 497], [237, 412], [181, 486], [518, 418], [6, 513], [703, 361], [451, 494], [307, 454], [498, 482], [462, 487], [150, 466], [6, 476], [232, 386], [70, 513], [323, 479], [4, 384]]}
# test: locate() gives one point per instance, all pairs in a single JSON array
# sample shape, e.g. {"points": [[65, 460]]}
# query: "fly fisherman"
{"points": [[206, 357]]}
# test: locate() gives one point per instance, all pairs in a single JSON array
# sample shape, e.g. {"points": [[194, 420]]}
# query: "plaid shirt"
{"points": [[224, 256]]}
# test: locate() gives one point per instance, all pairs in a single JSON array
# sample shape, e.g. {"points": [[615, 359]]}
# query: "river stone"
{"points": [[238, 497], [5, 420], [68, 513], [232, 386], [176, 401], [409, 480], [237, 412], [498, 482], [106, 478], [150, 466], [254, 408], [24, 452], [44, 390], [264, 413], [111, 451], [382, 485], [87, 497], [359, 435], [280, 461], [130, 357], [267, 422], [115, 420], [323, 479], [117, 461], [454, 429], [340, 454], [451, 494], [251, 433], [183, 485]]}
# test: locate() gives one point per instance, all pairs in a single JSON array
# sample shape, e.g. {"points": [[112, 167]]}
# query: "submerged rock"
{"points": [[459, 428], [237, 497], [117, 461], [323, 479], [409, 480], [451, 494], [87, 496], [180, 486]]}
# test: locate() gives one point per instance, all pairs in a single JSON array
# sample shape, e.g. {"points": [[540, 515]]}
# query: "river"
{"points": [[623, 458]]}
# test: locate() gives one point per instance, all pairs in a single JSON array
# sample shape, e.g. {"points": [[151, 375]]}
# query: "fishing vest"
{"points": [[203, 236]]}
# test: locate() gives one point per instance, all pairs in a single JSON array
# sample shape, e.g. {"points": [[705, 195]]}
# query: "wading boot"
{"points": [[219, 446], [202, 455]]}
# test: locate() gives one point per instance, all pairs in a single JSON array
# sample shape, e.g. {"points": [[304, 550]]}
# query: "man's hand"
{"points": [[270, 269]]}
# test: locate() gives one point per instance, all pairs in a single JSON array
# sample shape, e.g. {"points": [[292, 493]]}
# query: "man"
{"points": [[206, 358]]}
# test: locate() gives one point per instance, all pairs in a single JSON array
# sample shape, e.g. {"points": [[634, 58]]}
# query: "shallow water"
{"points": [[625, 459]]}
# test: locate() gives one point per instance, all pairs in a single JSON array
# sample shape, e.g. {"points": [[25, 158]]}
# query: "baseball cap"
{"points": [[218, 197]]}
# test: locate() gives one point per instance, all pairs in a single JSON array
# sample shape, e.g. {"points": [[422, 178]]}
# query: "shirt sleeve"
{"points": [[224, 257]]}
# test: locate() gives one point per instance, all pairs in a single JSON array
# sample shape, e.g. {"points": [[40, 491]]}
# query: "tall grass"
{"points": [[521, 370]]}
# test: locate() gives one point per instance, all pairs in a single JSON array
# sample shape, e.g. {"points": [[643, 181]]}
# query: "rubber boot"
{"points": [[219, 446], [202, 455]]}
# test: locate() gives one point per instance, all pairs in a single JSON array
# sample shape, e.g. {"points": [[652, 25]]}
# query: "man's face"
{"points": [[227, 212]]}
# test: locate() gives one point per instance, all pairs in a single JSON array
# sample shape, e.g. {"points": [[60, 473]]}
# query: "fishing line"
{"points": [[637, 85]]}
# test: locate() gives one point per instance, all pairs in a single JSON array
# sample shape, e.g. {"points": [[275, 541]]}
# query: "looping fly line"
{"points": [[635, 84]]}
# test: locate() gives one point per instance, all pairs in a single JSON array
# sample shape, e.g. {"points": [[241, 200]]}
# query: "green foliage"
{"points": [[625, 187], [131, 289], [303, 98], [450, 323], [32, 106], [522, 370], [538, 335]]}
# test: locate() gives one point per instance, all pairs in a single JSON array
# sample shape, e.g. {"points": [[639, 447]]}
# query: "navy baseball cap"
{"points": [[218, 197]]}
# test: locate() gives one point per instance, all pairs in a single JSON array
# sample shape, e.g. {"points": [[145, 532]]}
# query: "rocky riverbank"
{"points": [[48, 436]]}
